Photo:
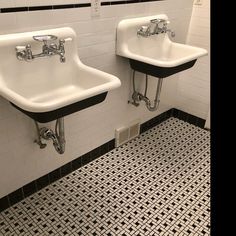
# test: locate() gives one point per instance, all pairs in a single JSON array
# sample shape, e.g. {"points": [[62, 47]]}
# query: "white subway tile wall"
{"points": [[23, 3], [21, 159], [194, 85]]}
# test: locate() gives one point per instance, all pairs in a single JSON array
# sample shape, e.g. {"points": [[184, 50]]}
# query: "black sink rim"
{"points": [[158, 71], [44, 117]]}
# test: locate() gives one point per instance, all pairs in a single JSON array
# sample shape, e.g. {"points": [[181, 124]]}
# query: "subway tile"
{"points": [[107, 60], [84, 25], [66, 169], [162, 117], [42, 181], [153, 122], [95, 153], [111, 144], [60, 2], [39, 2], [132, 1], [96, 50], [143, 128], [157, 120], [4, 203], [191, 119], [54, 175], [175, 113], [85, 159], [23, 21], [110, 11], [99, 37], [13, 10], [200, 122], [22, 3], [29, 189], [40, 8], [77, 163], [82, 5], [182, 115], [104, 148], [16, 196], [105, 3], [169, 113], [7, 3], [117, 2], [28, 20], [62, 16], [7, 22]]}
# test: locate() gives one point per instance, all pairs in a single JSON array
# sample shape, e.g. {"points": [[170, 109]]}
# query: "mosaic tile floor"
{"points": [[157, 184]]}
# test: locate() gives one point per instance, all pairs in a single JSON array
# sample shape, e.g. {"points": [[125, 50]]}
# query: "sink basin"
{"points": [[155, 55], [45, 88]]}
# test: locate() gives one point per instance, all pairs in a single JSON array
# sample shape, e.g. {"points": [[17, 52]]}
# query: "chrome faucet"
{"points": [[24, 53], [156, 26]]}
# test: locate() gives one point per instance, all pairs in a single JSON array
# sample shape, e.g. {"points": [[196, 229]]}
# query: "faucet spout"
{"points": [[53, 50]]}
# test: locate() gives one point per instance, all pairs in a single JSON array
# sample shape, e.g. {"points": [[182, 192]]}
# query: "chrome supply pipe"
{"points": [[57, 137], [137, 97], [60, 134], [39, 139]]}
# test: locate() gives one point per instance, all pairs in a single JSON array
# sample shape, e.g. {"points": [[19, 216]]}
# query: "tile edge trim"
{"points": [[68, 6]]}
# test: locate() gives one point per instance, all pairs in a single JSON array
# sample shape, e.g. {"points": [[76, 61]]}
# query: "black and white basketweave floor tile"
{"points": [[157, 184]]}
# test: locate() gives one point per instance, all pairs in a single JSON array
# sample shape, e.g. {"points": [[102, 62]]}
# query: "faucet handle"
{"points": [[20, 52], [65, 40], [172, 33], [68, 39], [61, 43], [144, 31], [43, 38], [20, 48], [24, 53], [155, 20]]}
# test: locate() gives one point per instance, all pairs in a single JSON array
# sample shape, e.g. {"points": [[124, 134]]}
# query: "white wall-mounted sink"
{"points": [[156, 55], [44, 88]]}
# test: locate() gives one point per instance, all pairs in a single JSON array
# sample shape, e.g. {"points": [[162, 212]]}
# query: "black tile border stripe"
{"points": [[67, 6], [49, 178]]}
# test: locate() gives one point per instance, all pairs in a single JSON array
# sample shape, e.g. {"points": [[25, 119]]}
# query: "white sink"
{"points": [[46, 85], [156, 54]]}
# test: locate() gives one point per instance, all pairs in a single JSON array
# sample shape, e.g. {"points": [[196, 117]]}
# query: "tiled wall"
{"points": [[24, 3], [21, 161], [194, 85]]}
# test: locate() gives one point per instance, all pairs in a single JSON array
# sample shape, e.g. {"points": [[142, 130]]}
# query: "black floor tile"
{"points": [[156, 184]]}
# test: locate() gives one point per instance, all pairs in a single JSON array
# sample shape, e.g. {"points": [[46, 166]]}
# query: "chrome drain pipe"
{"points": [[137, 97], [60, 134], [57, 137]]}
